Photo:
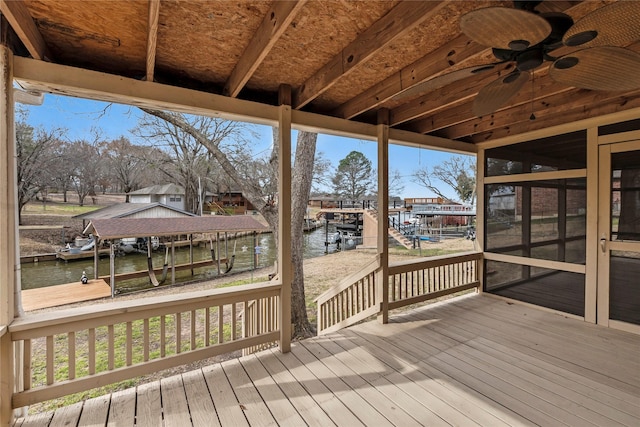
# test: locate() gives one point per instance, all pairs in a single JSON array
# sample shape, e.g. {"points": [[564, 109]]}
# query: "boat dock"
{"points": [[52, 296]]}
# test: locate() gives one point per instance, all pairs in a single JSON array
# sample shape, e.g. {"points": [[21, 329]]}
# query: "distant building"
{"points": [[168, 194], [134, 210], [445, 211]]}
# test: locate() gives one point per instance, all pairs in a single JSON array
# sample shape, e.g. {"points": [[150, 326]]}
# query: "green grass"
{"points": [[57, 209]]}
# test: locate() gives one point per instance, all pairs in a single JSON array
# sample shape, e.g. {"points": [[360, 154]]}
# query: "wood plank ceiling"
{"points": [[342, 58]]}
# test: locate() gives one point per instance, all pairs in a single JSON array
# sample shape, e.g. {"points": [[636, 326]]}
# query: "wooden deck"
{"points": [[474, 360], [52, 296]]}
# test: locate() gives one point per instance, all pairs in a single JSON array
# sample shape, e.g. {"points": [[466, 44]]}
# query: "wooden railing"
{"points": [[412, 282], [350, 301], [68, 351], [260, 316], [357, 297]]}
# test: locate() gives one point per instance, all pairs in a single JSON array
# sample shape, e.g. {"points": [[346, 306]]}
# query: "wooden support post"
{"points": [[255, 254], [285, 269], [383, 215], [96, 256], [9, 260], [191, 252], [112, 268], [173, 262], [480, 214], [218, 250]]}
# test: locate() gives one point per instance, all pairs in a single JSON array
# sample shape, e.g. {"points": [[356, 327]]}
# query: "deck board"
{"points": [[67, 416], [282, 410], [200, 404], [174, 401], [94, 411], [228, 409], [122, 410], [148, 405], [474, 360], [68, 293]]}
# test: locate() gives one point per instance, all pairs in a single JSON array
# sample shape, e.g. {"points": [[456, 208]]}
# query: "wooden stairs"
{"points": [[397, 235]]}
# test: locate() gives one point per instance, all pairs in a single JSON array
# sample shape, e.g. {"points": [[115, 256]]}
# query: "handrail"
{"points": [[430, 278], [356, 297], [3, 330], [126, 339], [366, 269], [351, 300]]}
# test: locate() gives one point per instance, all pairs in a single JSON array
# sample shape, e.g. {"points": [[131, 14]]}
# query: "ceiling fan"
{"points": [[527, 39]]}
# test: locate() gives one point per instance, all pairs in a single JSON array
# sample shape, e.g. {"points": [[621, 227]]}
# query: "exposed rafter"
{"points": [[456, 52], [398, 22], [152, 37], [18, 16], [561, 116], [446, 97], [272, 27]]}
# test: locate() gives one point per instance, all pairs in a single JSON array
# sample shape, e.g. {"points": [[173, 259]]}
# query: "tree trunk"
{"points": [[301, 187]]}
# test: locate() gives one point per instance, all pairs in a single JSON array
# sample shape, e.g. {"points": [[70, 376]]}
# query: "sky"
{"points": [[82, 118]]}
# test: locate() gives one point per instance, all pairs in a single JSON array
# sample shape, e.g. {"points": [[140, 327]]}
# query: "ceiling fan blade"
{"points": [[605, 68], [616, 24], [504, 27], [443, 80], [497, 93]]}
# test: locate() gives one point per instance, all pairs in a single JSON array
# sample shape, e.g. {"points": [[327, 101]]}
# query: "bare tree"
{"points": [[38, 153], [86, 161], [189, 159], [258, 185], [457, 173], [126, 164]]}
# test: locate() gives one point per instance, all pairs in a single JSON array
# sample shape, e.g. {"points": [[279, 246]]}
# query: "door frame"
{"points": [[606, 147]]}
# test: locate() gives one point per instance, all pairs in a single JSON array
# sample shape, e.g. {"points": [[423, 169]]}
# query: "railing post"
{"points": [[383, 215], [9, 262], [285, 268]]}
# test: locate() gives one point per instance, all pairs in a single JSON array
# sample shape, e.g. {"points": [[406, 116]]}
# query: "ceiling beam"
{"points": [[445, 97], [462, 113], [274, 24], [152, 37], [459, 52], [459, 121], [564, 115], [456, 52], [22, 23], [396, 23]]}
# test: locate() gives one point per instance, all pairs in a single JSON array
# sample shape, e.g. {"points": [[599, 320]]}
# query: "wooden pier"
{"points": [[52, 296]]}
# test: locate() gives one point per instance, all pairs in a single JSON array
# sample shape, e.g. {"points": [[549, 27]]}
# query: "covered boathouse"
{"points": [[551, 337]]}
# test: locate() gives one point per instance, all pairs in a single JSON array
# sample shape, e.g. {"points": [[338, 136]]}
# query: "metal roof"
{"points": [[117, 228], [122, 210]]}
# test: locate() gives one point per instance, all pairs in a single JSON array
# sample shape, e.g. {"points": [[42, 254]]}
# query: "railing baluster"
{"points": [[145, 339], [207, 324], [163, 336], [129, 344], [71, 343], [193, 329], [220, 324], [50, 359], [178, 324], [26, 371], [111, 347], [92, 351], [233, 322]]}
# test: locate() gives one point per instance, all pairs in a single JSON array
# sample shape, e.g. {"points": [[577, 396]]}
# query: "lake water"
{"points": [[42, 274]]}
